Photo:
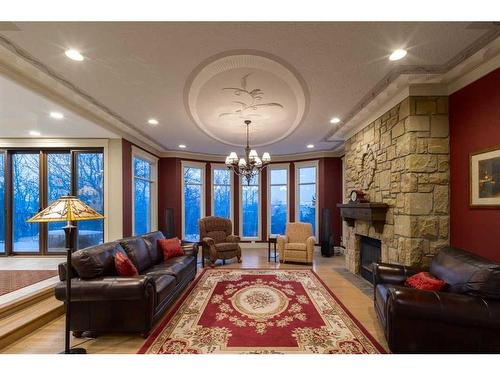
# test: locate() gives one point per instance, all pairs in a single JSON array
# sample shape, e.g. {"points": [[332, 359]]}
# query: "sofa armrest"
{"points": [[385, 273], [310, 248], [207, 241], [108, 288], [233, 238], [448, 308]]}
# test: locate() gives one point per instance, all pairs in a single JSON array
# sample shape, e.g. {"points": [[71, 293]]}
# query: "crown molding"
{"points": [[196, 156], [19, 66]]}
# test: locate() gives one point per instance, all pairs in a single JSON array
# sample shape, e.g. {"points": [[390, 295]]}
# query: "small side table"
{"points": [[271, 240]]}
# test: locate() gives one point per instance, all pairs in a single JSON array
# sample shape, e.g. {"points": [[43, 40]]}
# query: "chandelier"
{"points": [[251, 164]]}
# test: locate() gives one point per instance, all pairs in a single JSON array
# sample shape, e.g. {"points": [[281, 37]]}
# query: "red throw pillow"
{"points": [[171, 248], [124, 265], [425, 281]]}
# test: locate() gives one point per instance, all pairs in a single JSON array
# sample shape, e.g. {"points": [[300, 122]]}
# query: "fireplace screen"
{"points": [[370, 253]]}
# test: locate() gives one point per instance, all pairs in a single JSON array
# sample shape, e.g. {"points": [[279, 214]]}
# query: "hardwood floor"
{"points": [[50, 338]]}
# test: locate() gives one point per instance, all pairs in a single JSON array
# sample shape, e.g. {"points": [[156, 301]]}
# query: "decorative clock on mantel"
{"points": [[358, 196]]}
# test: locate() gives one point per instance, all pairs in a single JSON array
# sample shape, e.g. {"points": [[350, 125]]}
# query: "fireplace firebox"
{"points": [[370, 249]]}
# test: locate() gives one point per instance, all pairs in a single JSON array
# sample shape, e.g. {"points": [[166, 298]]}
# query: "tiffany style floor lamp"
{"points": [[69, 209]]}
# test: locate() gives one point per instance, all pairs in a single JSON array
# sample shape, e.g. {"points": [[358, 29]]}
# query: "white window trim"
{"points": [[259, 211], [201, 166], [141, 154], [269, 168], [297, 166], [214, 166]]}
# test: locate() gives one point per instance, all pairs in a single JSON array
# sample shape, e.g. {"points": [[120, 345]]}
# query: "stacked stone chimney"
{"points": [[410, 173]]}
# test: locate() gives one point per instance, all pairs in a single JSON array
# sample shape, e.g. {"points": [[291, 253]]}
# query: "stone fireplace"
{"points": [[402, 160]]}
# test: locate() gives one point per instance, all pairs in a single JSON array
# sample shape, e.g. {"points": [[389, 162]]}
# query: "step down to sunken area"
{"points": [[23, 316]]}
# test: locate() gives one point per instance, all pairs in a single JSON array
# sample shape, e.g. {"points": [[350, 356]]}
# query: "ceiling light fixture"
{"points": [[73, 54], [56, 115], [310, 146], [34, 133], [334, 120], [182, 146], [250, 165], [397, 55], [153, 121]]}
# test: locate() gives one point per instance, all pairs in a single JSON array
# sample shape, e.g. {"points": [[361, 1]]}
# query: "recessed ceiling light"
{"points": [[153, 121], [34, 133], [57, 115], [310, 146], [397, 55], [182, 146], [73, 54], [335, 120]]}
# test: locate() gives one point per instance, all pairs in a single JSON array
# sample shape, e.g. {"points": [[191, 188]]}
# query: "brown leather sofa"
{"points": [[217, 240], [463, 318], [102, 301]]}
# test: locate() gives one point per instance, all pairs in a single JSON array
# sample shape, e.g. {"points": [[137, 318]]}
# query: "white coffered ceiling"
{"points": [[142, 70]]}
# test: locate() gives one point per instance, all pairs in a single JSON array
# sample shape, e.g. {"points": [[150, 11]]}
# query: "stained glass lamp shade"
{"points": [[66, 208]]}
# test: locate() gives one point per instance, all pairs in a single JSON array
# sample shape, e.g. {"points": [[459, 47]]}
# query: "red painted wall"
{"points": [[169, 192], [330, 194], [127, 187], [474, 126]]}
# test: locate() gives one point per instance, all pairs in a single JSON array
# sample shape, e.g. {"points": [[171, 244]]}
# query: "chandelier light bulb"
{"points": [[253, 155], [258, 162], [242, 162], [233, 157], [266, 158]]}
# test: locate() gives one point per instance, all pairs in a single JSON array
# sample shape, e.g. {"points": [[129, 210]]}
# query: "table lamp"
{"points": [[67, 208]]}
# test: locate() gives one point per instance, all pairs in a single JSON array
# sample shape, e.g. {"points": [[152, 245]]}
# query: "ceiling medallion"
{"points": [[251, 164], [246, 86]]}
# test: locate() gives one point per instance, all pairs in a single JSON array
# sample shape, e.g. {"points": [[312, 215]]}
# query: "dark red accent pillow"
{"points": [[425, 281], [124, 266], [171, 248]]}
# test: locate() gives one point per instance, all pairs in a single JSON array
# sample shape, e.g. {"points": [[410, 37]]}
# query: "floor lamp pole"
{"points": [[69, 231]]}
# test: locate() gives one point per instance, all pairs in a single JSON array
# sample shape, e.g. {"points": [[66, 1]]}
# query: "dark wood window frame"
{"points": [[43, 182]]}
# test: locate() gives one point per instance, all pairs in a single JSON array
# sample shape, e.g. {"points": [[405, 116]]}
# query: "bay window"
{"points": [[193, 197], [277, 199], [144, 192], [306, 195], [250, 208], [222, 191]]}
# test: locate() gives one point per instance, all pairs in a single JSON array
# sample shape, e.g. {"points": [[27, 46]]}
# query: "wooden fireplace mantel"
{"points": [[374, 213]]}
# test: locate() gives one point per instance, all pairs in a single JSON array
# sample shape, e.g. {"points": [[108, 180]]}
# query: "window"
{"points": [[32, 180], [90, 189], [144, 192], [250, 208], [58, 184], [2, 202], [26, 201], [222, 192], [277, 199], [306, 210], [193, 197]]}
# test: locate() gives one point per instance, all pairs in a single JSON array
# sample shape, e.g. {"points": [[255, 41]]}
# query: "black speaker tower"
{"points": [[169, 230], [327, 249]]}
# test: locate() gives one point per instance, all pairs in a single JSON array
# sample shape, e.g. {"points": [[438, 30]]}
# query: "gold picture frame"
{"points": [[484, 178]]}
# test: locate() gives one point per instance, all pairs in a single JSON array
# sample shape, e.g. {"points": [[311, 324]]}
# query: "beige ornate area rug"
{"points": [[260, 311]]}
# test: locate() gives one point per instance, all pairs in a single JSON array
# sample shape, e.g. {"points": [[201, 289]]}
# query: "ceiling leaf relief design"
{"points": [[249, 105]]}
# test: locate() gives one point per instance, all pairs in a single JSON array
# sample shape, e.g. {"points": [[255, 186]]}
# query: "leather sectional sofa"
{"points": [[463, 318], [102, 301]]}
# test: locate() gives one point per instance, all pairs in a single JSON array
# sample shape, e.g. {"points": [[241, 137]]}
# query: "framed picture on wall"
{"points": [[484, 172]]}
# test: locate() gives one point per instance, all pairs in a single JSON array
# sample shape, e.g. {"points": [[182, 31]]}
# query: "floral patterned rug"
{"points": [[260, 311]]}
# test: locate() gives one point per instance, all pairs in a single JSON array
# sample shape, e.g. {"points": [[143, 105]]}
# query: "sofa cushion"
{"points": [[467, 273], [296, 246], [155, 252], [124, 266], [177, 269], [96, 261], [138, 252], [171, 248]]}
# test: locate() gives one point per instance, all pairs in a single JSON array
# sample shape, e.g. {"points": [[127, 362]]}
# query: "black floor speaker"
{"points": [[326, 240], [169, 229]]}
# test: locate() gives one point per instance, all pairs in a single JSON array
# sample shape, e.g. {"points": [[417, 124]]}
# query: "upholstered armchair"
{"points": [[297, 245], [217, 239]]}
